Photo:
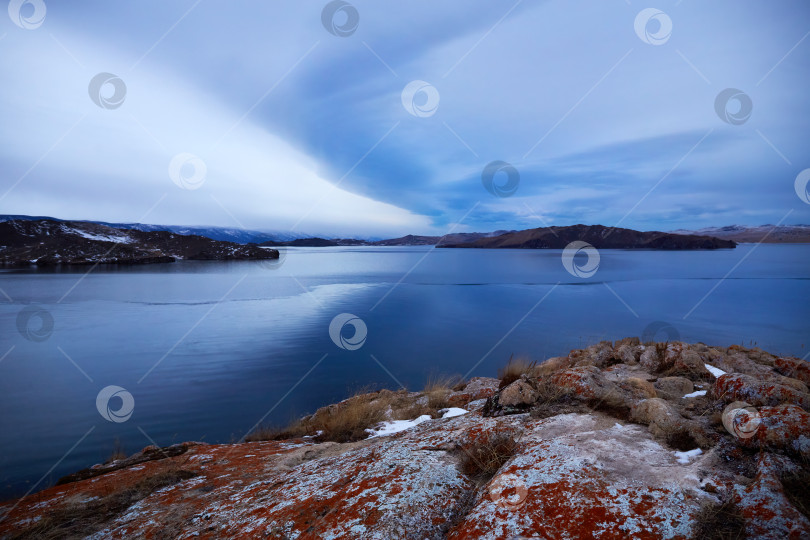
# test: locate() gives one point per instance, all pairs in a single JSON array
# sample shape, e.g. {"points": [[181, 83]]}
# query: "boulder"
{"points": [[674, 387], [689, 364], [651, 359], [793, 368], [738, 387], [660, 416], [477, 388], [599, 355], [784, 427], [518, 393], [587, 383], [638, 388], [756, 354], [628, 350]]}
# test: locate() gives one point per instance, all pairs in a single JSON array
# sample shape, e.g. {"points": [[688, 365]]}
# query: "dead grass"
{"points": [[719, 522], [434, 397], [552, 365], [481, 459], [117, 452], [553, 400], [513, 369], [414, 410], [77, 520], [438, 390], [348, 420], [270, 432]]}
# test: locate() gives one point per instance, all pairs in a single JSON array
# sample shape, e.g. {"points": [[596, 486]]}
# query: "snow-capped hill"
{"points": [[48, 242], [223, 234]]}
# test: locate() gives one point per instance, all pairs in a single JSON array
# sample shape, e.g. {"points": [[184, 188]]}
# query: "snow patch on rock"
{"points": [[452, 412], [395, 426], [685, 457], [714, 370], [696, 393]]}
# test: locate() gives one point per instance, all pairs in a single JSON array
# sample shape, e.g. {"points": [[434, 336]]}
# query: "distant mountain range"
{"points": [[225, 234], [46, 241], [409, 240], [597, 236], [769, 234], [737, 233]]}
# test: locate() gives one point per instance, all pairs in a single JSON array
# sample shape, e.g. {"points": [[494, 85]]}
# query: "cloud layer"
{"points": [[305, 130]]}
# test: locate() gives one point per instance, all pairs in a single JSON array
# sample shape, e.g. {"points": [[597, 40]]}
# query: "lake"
{"points": [[207, 349]]}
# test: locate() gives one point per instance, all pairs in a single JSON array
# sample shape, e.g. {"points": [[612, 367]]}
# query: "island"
{"points": [[598, 236]]}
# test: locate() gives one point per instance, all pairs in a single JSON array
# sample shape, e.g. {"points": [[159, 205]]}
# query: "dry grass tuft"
{"points": [[348, 420], [438, 390], [117, 452], [414, 410], [481, 459], [552, 365], [513, 369], [269, 432], [719, 522], [553, 400]]}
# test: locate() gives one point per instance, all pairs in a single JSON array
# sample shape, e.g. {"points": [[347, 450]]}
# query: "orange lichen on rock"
{"points": [[794, 368], [765, 507], [738, 387]]}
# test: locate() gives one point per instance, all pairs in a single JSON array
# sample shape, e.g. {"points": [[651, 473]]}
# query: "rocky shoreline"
{"points": [[618, 440]]}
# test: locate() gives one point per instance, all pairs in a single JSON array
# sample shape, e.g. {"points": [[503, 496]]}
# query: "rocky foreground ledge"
{"points": [[617, 440]]}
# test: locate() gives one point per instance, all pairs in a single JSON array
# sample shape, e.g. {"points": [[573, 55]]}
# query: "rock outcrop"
{"points": [[48, 242], [619, 440]]}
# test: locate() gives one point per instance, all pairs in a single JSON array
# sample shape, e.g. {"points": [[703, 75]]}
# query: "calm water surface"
{"points": [[207, 349]]}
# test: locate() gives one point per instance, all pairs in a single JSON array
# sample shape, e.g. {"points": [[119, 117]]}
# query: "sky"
{"points": [[382, 118]]}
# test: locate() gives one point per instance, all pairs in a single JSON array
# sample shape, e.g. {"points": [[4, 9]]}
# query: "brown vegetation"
{"points": [[481, 459], [719, 522], [514, 369], [117, 452], [350, 419]]}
